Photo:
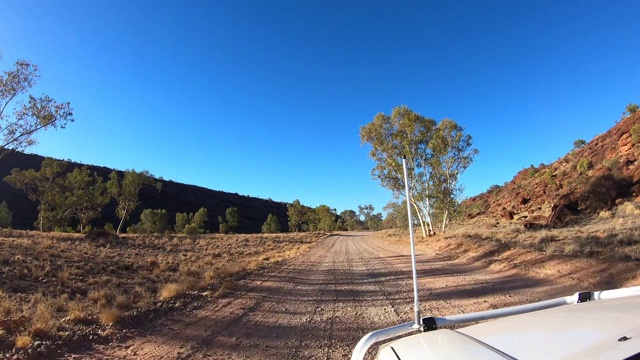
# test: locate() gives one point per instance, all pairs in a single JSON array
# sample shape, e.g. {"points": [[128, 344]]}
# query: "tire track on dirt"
{"points": [[319, 304], [206, 324]]}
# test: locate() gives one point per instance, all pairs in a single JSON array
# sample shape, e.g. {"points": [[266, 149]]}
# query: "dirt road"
{"points": [[318, 305]]}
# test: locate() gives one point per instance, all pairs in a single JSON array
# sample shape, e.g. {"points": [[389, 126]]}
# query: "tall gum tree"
{"points": [[30, 113], [452, 154], [407, 134], [436, 155], [126, 191]]}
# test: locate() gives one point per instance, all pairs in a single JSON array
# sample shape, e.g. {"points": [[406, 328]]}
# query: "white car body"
{"points": [[589, 325]]}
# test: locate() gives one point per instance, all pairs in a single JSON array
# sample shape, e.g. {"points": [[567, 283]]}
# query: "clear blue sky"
{"points": [[266, 98]]}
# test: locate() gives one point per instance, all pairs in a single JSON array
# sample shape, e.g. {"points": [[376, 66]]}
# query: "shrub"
{"points": [[632, 109], [272, 225], [635, 133], [578, 144], [583, 166], [153, 221], [5, 215]]}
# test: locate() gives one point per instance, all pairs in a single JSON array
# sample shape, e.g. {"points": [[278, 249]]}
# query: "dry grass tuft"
{"points": [[109, 316], [23, 341], [170, 291], [78, 312], [43, 321], [627, 209]]}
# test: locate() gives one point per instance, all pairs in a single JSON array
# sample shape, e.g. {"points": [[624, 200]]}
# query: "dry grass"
{"points": [[170, 291], [23, 341], [46, 277], [612, 235], [109, 316]]}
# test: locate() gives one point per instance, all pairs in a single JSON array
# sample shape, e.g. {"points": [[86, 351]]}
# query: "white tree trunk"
{"points": [[124, 215], [419, 215], [444, 221]]}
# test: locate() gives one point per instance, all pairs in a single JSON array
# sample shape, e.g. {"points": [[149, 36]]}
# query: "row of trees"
{"points": [[323, 218], [436, 154], [79, 194]]}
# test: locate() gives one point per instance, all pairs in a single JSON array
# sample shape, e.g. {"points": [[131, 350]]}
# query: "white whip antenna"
{"points": [[416, 302]]}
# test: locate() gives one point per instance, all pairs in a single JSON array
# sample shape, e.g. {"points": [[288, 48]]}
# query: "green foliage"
{"points": [[79, 194], [233, 219], [224, 228], [125, 191], [372, 221], [85, 196], [583, 166], [200, 220], [631, 109], [182, 221], [325, 218], [109, 227], [45, 187], [191, 224], [350, 220], [31, 114], [153, 222], [5, 215], [531, 172], [548, 174], [436, 155], [494, 188], [298, 219], [635, 133], [578, 144], [397, 217], [272, 225]]}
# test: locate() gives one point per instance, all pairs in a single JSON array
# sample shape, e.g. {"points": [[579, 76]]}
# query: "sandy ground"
{"points": [[318, 305]]}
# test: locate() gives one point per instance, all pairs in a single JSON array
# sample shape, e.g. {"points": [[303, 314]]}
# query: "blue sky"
{"points": [[266, 98]]}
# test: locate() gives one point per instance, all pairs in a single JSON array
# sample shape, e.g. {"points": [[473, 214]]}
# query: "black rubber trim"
{"points": [[584, 297], [429, 324], [633, 357], [395, 353]]}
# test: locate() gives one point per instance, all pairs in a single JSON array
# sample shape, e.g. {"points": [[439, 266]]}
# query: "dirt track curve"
{"points": [[318, 305]]}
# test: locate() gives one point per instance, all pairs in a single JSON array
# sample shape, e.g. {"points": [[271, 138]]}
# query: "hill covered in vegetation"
{"points": [[591, 179], [173, 197]]}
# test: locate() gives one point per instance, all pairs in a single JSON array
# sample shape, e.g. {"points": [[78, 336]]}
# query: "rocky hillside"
{"points": [[173, 197], [586, 181]]}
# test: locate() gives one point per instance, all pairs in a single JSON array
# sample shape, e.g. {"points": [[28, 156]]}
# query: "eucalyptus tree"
{"points": [[326, 218], [233, 219], [403, 134], [126, 191], [297, 214], [85, 195], [30, 113], [436, 155], [44, 187], [350, 220], [452, 153]]}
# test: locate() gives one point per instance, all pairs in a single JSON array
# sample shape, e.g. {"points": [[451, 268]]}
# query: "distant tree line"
{"points": [[303, 218], [68, 200]]}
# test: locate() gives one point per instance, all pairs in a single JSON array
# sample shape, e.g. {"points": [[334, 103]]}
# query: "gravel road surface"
{"points": [[318, 305]]}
